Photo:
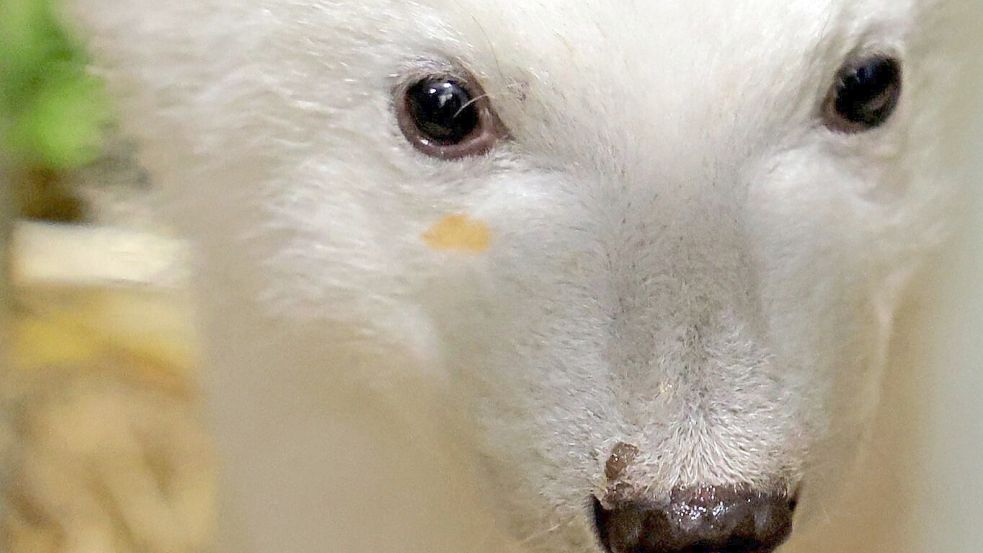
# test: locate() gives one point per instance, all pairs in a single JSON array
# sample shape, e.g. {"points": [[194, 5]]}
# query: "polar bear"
{"points": [[557, 276]]}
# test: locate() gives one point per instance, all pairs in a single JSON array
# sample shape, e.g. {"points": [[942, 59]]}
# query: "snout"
{"points": [[708, 519]]}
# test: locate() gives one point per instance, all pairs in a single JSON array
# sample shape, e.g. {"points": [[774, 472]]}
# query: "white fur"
{"points": [[682, 257]]}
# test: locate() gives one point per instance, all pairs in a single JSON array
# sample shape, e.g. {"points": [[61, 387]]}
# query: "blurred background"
{"points": [[101, 445], [101, 449]]}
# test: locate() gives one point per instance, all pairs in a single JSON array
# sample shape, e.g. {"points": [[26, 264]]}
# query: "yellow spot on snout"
{"points": [[458, 233]]}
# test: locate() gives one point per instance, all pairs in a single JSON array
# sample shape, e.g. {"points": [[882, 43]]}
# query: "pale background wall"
{"points": [[951, 454]]}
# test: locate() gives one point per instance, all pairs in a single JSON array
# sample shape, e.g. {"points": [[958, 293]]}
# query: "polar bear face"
{"points": [[645, 249]]}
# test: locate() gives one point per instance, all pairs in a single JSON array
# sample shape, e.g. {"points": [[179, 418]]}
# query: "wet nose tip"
{"points": [[707, 519]]}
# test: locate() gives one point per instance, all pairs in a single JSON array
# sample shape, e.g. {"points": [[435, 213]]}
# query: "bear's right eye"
{"points": [[447, 118]]}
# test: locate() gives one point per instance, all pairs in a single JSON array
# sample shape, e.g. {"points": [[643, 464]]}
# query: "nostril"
{"points": [[697, 520]]}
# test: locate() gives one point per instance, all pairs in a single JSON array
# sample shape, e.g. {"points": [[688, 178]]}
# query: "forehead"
{"points": [[659, 37]]}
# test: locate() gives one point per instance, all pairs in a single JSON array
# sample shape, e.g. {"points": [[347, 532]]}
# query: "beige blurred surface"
{"points": [[101, 443]]}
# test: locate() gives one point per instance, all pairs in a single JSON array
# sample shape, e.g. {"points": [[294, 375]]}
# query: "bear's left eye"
{"points": [[446, 117], [864, 95]]}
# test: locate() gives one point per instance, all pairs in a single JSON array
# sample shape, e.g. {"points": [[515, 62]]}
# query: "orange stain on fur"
{"points": [[458, 233]]}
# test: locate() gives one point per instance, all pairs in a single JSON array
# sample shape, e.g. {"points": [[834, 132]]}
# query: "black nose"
{"points": [[698, 520]]}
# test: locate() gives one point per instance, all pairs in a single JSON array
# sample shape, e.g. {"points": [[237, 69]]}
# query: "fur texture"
{"points": [[681, 256]]}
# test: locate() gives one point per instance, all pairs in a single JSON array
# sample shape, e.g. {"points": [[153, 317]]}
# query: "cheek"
{"points": [[818, 252], [815, 248], [514, 299]]}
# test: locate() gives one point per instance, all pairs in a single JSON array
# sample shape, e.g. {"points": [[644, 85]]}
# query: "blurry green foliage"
{"points": [[52, 113]]}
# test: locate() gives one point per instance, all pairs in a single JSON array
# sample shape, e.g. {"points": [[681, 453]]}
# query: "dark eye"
{"points": [[864, 96], [447, 118]]}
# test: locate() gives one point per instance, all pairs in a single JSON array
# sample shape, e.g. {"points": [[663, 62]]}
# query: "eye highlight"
{"points": [[864, 96], [446, 117]]}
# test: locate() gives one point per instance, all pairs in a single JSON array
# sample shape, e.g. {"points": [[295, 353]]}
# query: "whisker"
{"points": [[546, 532], [469, 102]]}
